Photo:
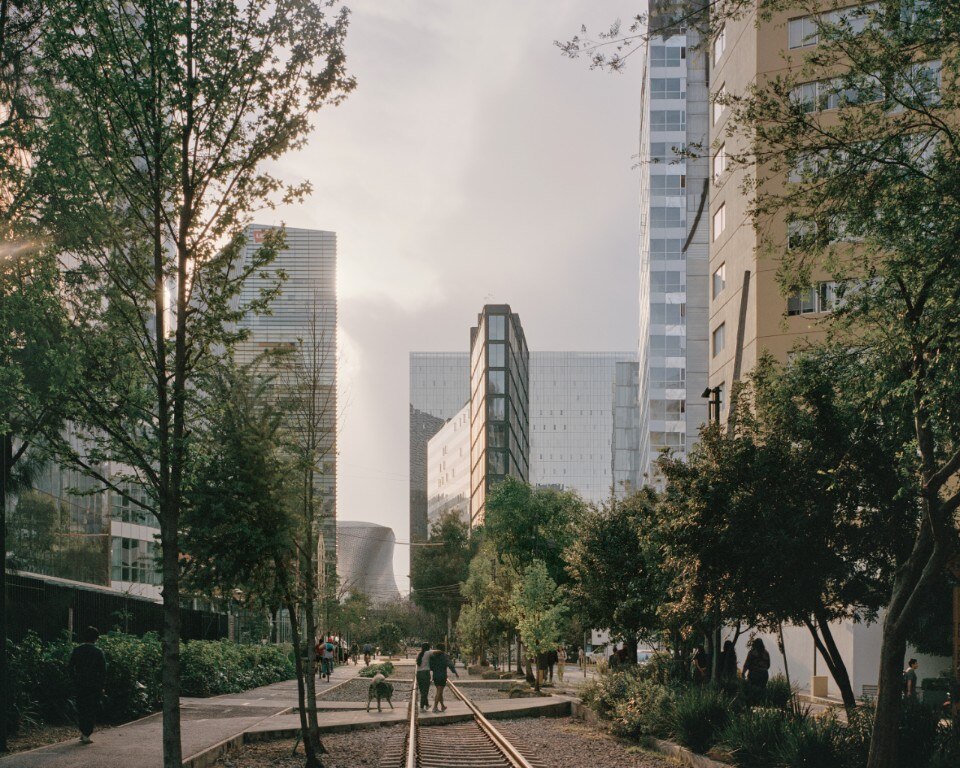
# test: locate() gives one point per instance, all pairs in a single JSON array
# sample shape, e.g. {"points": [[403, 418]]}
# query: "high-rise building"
{"points": [[499, 404], [303, 320], [674, 242], [572, 420], [448, 469], [625, 443], [439, 388]]}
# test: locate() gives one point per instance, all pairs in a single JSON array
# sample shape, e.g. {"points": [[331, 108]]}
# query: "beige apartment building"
{"points": [[748, 313]]}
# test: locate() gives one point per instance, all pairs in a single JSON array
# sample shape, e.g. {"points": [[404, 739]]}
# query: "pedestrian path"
{"points": [[205, 723]]}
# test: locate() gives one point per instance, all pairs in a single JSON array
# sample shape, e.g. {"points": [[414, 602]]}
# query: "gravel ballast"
{"points": [[356, 690], [344, 750]]}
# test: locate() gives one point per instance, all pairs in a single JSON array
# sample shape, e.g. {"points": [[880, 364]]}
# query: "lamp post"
{"points": [[713, 403]]}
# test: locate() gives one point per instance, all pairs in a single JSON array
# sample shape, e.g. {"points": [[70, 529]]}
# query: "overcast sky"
{"points": [[472, 164]]}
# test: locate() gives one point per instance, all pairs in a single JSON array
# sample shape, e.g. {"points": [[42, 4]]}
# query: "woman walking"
{"points": [[423, 675], [756, 668], [561, 662], [439, 664]]}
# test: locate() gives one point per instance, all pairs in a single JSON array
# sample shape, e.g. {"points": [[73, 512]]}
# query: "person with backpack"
{"points": [[756, 667], [439, 664], [367, 651], [88, 668]]}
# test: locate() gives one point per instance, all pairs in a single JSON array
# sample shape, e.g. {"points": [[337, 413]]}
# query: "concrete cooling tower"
{"points": [[365, 560]]}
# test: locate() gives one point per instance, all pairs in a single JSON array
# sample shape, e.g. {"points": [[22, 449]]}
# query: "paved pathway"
{"points": [[204, 723]]}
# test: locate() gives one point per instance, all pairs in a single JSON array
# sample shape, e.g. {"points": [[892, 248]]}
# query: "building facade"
{"points": [[499, 404], [302, 322], [674, 242], [448, 469], [365, 564], [625, 444]]}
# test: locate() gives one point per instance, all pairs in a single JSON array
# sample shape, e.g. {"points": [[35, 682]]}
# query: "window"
{"points": [[668, 120], [719, 280], [668, 346], [719, 44], [668, 88], [665, 152], [800, 234], [806, 96], [669, 378], [667, 56], [719, 221], [496, 382], [822, 297], [670, 217], [496, 356], [719, 338], [497, 327], [802, 32], [496, 408], [666, 249], [718, 103], [672, 184], [719, 163], [667, 314], [667, 282], [806, 30]]}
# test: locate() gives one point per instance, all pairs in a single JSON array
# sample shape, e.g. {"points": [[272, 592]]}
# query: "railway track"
{"points": [[475, 743]]}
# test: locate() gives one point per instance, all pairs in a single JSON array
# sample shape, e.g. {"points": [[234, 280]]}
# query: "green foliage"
{"points": [[132, 687], [538, 609], [647, 710], [814, 743], [437, 571], [385, 668], [603, 693], [754, 736], [918, 735], [39, 681], [486, 615], [527, 524], [699, 714], [389, 638], [212, 668]]}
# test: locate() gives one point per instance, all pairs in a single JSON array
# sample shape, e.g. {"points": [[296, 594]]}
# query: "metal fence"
{"points": [[50, 606]]}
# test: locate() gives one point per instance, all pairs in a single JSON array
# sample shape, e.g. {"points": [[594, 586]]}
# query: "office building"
{"points": [[572, 409], [365, 563], [625, 443], [303, 322], [674, 242], [499, 404], [448, 469]]}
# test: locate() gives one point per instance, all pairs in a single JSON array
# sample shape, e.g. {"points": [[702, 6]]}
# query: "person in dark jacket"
{"points": [[756, 668], [88, 668], [439, 664], [728, 662]]}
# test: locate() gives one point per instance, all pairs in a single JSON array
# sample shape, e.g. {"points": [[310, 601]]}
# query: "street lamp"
{"points": [[713, 402]]}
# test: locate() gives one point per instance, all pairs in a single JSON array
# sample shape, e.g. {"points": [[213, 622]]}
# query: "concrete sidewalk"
{"points": [[205, 723]]}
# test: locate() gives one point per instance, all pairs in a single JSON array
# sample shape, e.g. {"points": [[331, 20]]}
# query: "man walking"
{"points": [[88, 668], [910, 679]]}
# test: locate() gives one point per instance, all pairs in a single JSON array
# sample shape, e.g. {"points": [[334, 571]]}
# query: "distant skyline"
{"points": [[472, 164]]}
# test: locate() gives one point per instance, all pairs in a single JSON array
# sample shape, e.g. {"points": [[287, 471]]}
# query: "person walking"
{"points": [[582, 659], [756, 667], [561, 662], [910, 679], [727, 667], [367, 651], [551, 663], [329, 651], [88, 668], [423, 675], [354, 652], [439, 664]]}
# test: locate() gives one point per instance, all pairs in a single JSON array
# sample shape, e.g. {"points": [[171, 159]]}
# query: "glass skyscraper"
{"points": [[674, 241], [304, 313], [499, 404]]}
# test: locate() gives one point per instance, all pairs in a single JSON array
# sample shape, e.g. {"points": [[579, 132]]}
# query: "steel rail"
{"points": [[500, 741], [412, 729]]}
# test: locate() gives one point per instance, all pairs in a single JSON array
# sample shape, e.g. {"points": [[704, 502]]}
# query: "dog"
{"points": [[379, 689]]}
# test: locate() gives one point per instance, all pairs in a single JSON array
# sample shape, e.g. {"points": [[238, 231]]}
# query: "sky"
{"points": [[473, 164]]}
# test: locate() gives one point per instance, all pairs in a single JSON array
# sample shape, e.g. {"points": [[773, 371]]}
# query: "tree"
{"points": [[486, 615], [389, 638], [539, 611], [618, 577], [159, 119], [440, 565], [527, 524]]}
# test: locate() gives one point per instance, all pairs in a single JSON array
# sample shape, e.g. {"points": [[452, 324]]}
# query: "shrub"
{"points": [[646, 710], [385, 667], [755, 736], [603, 694], [778, 693], [918, 735], [666, 670], [132, 687], [947, 754], [38, 677], [215, 667], [699, 714], [814, 743]]}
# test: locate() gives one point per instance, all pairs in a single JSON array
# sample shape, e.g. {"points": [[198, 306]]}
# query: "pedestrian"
{"points": [[756, 667], [700, 666], [728, 662], [561, 662], [367, 650], [354, 653], [439, 664], [88, 668], [582, 659], [329, 651], [423, 675], [910, 679], [319, 664], [551, 662]]}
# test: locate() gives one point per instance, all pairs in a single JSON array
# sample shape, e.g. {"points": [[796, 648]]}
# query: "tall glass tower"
{"points": [[674, 242], [499, 404]]}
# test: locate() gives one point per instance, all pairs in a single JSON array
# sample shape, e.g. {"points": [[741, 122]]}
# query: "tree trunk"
{"points": [[274, 627], [311, 676], [884, 743], [170, 670], [832, 658], [309, 747]]}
